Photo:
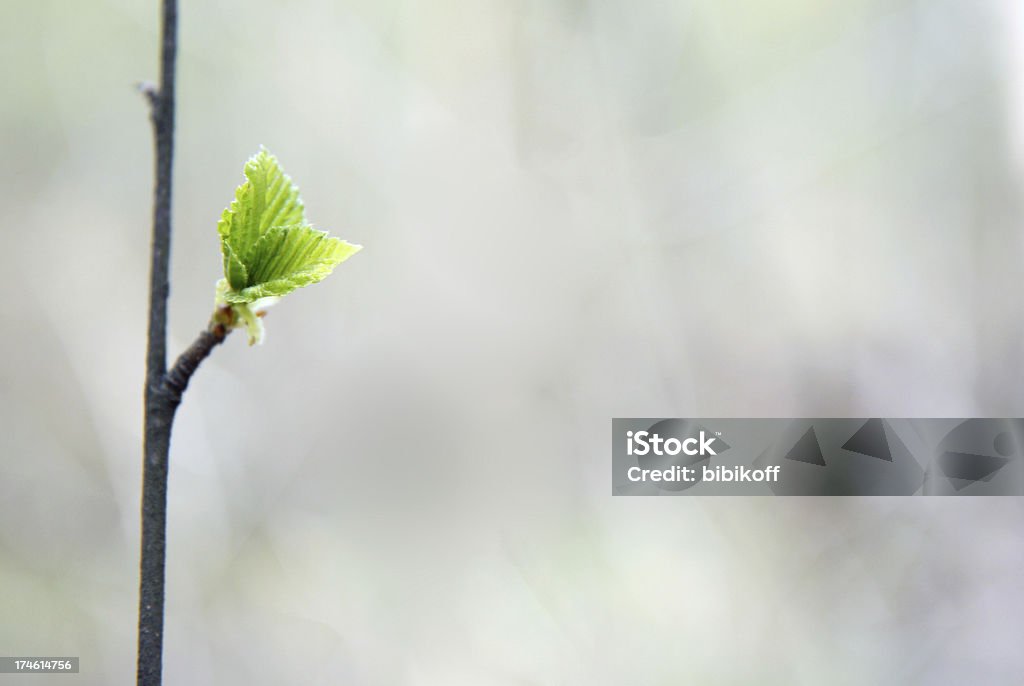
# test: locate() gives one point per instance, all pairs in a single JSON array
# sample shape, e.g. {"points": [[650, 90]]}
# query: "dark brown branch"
{"points": [[162, 115], [159, 405], [178, 377]]}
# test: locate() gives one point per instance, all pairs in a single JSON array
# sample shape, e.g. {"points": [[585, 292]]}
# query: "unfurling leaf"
{"points": [[269, 250]]}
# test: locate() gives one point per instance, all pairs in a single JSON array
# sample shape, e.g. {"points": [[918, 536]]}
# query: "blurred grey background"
{"points": [[571, 210]]}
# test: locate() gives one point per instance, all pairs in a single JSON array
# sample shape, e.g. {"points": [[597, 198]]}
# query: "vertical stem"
{"points": [[159, 404], [154, 539], [162, 115]]}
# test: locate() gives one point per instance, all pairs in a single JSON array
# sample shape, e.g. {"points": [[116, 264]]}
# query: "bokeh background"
{"points": [[571, 210]]}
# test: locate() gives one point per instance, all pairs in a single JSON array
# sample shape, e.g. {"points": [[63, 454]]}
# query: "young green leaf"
{"points": [[269, 250]]}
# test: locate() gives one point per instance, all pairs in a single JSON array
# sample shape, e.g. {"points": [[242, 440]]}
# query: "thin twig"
{"points": [[176, 380], [159, 404]]}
